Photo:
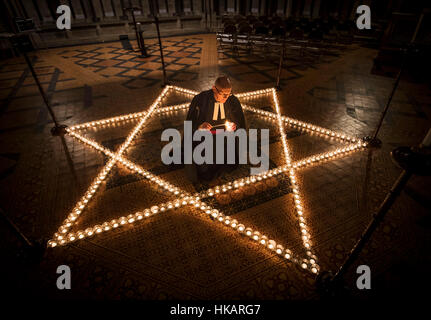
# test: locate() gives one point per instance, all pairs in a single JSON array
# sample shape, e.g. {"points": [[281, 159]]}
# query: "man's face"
{"points": [[221, 95]]}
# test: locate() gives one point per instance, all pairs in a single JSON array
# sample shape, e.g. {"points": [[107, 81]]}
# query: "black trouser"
{"points": [[207, 172]]}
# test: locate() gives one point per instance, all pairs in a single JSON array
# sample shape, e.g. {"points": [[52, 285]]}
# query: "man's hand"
{"points": [[230, 126], [205, 126]]}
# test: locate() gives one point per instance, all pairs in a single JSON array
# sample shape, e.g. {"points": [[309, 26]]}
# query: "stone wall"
{"points": [[105, 20]]}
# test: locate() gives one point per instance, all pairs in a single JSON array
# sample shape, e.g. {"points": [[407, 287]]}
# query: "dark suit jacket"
{"points": [[202, 107], [201, 110]]}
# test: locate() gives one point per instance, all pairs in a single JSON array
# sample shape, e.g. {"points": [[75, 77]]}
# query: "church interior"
{"points": [[88, 86]]}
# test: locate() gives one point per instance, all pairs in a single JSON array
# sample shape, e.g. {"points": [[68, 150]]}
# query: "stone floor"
{"points": [[182, 254]]}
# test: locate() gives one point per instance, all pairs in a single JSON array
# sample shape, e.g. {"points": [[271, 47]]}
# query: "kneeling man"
{"points": [[214, 109]]}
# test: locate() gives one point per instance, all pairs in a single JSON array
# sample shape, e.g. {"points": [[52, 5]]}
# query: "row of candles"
{"points": [[63, 236], [79, 207], [270, 115], [306, 237]]}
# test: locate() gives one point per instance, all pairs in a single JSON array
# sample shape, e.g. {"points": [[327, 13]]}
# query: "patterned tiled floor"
{"points": [[181, 56], [182, 254]]}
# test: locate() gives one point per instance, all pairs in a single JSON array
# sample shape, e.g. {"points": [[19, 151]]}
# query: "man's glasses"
{"points": [[224, 95]]}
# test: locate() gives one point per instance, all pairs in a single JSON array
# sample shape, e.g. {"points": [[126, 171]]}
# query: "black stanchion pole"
{"points": [[210, 14], [58, 129], [138, 40], [138, 37], [374, 141], [15, 229], [70, 162], [32, 250], [280, 67], [165, 82], [35, 250], [142, 42], [42, 92], [397, 81], [206, 14], [372, 226], [412, 161]]}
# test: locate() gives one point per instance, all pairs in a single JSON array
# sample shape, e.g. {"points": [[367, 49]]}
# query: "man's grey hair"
{"points": [[223, 83]]}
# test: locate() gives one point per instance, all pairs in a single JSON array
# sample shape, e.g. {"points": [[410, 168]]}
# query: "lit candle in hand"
{"points": [[230, 126]]}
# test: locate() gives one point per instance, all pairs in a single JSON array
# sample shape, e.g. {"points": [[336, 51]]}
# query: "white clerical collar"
{"points": [[218, 106]]}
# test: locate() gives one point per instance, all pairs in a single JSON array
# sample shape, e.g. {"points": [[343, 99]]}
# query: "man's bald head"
{"points": [[223, 83], [222, 89]]}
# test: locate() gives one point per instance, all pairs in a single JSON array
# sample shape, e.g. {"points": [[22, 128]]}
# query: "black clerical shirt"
{"points": [[202, 110]]}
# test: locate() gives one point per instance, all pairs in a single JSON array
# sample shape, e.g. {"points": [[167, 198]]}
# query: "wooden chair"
{"points": [[264, 19], [295, 41], [243, 24], [278, 31], [245, 29], [261, 30], [296, 34], [225, 42], [230, 29]]}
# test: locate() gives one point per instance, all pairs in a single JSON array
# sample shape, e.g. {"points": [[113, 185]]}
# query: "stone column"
{"points": [[332, 10], [345, 10], [230, 6], [255, 7], [262, 7], [296, 6], [307, 8], [163, 10], [197, 7], [31, 11], [289, 8], [98, 13], [87, 11], [17, 6], [396, 7], [117, 8], [367, 2], [136, 3], [44, 11], [203, 17], [77, 9], [316, 9], [187, 7], [356, 4], [221, 8], [280, 7], [145, 8], [213, 16], [107, 8], [338, 9], [98, 30], [247, 8], [172, 10]]}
